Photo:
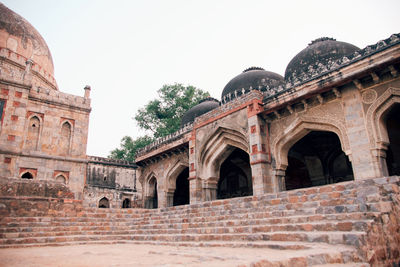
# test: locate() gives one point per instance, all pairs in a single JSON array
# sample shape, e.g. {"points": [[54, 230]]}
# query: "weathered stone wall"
{"points": [[112, 179], [165, 171], [93, 194], [42, 131]]}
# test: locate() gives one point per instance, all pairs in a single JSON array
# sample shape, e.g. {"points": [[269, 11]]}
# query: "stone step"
{"points": [[66, 221], [225, 221], [186, 229], [347, 238]]}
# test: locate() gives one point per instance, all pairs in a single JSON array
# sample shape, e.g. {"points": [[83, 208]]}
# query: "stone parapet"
{"points": [[112, 162], [53, 97], [20, 61], [164, 140]]}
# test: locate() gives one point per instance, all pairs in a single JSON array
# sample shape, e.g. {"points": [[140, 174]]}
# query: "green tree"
{"points": [[160, 117], [129, 147]]}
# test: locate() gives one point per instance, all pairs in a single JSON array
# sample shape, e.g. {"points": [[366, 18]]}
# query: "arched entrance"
{"points": [[392, 120], [317, 159], [126, 203], [235, 176], [104, 203], [151, 201], [181, 195], [27, 175]]}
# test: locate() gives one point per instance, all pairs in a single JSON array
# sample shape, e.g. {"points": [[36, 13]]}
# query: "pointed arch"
{"points": [[66, 137], [300, 128], [217, 148], [61, 179], [104, 203], [27, 175], [173, 173], [375, 117], [34, 132]]}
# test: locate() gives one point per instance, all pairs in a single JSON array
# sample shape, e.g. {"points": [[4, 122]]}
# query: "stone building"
{"points": [[43, 131], [333, 117]]}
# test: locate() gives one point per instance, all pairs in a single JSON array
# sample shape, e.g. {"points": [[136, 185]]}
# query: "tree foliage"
{"points": [[129, 147], [160, 117]]}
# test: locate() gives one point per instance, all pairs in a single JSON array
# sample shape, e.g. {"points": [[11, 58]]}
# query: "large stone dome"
{"points": [[253, 77], [319, 51], [203, 107], [19, 36]]}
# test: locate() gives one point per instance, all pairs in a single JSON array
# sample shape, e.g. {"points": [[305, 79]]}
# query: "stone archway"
{"points": [[215, 151], [104, 203], [296, 131], [178, 184], [151, 193], [376, 116], [181, 194], [235, 176], [317, 159], [392, 122]]}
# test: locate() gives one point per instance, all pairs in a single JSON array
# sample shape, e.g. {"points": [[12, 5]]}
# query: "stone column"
{"points": [[170, 198], [359, 154], [260, 157], [195, 189], [210, 189]]}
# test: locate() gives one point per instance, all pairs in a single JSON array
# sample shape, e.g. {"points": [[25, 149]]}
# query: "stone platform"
{"points": [[353, 223]]}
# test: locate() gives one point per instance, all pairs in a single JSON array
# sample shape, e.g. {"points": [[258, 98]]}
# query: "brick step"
{"points": [[186, 229], [346, 238], [225, 207], [228, 221], [46, 223], [15, 221], [31, 225]]}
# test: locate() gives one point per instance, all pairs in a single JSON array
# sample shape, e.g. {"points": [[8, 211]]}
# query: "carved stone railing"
{"points": [[114, 162], [165, 140]]}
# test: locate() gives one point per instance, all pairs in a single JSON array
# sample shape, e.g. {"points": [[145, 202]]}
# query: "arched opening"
{"points": [[126, 203], [33, 133], [66, 129], [104, 203], [235, 176], [181, 195], [152, 194], [61, 179], [392, 120], [317, 159], [27, 175]]}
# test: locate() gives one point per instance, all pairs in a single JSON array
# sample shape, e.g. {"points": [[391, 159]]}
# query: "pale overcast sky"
{"points": [[126, 50]]}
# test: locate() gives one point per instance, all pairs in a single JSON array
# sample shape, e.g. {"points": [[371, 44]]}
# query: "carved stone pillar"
{"points": [[210, 189]]}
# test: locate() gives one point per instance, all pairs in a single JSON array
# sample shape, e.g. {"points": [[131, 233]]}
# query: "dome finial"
{"points": [[321, 39]]}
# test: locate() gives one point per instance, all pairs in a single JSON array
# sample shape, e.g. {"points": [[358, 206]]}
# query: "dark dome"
{"points": [[254, 77], [203, 107], [319, 51]]}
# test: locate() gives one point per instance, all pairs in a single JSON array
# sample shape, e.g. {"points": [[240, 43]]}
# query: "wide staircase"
{"points": [[347, 224]]}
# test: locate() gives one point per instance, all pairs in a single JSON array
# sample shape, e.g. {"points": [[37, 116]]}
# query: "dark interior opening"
{"points": [[235, 176], [181, 195], [317, 159], [126, 203], [104, 203], [27, 175], [393, 129]]}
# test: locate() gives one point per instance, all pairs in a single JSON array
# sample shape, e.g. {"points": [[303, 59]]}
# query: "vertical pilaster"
{"points": [[260, 158], [359, 154], [195, 190]]}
